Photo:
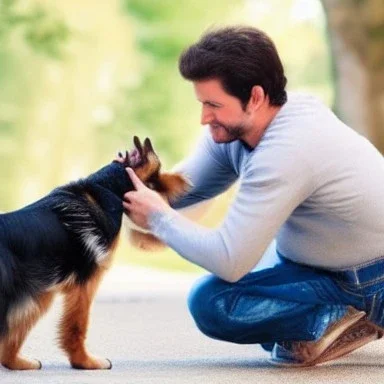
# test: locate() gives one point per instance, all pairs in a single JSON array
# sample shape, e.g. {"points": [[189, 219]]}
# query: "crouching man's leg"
{"points": [[300, 312]]}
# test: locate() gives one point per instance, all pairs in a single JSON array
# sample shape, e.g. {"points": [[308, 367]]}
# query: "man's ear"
{"points": [[256, 99], [174, 185]]}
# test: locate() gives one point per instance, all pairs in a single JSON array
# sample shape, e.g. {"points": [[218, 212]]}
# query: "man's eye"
{"points": [[212, 105]]}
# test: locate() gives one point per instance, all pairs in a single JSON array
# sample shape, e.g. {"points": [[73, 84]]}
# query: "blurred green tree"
{"points": [[79, 79], [41, 30], [158, 104], [25, 29], [356, 29]]}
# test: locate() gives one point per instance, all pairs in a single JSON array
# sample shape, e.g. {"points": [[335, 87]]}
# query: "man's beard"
{"points": [[234, 132]]}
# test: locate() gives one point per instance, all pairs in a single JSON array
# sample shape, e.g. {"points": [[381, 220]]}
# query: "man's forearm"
{"points": [[202, 246]]}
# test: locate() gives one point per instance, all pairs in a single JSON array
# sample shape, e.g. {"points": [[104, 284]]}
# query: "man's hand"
{"points": [[142, 202]]}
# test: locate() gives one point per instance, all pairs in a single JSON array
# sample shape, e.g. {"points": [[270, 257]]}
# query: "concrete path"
{"points": [[140, 321]]}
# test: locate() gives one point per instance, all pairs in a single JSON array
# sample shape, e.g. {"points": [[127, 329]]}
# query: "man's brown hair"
{"points": [[240, 57]]}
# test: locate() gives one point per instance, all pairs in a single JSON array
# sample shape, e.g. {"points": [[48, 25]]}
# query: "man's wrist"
{"points": [[158, 220]]}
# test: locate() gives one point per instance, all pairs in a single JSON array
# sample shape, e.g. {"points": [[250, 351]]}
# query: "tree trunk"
{"points": [[356, 30]]}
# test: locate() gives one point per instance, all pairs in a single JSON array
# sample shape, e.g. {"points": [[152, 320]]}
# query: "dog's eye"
{"points": [[151, 185]]}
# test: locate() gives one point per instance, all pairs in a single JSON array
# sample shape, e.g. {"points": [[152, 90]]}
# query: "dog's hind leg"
{"points": [[74, 324], [21, 319]]}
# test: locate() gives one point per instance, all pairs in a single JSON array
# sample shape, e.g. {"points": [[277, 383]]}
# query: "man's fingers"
{"points": [[128, 208], [130, 202], [130, 196], [137, 183]]}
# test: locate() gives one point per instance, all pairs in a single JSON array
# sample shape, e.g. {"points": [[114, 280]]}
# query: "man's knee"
{"points": [[203, 304]]}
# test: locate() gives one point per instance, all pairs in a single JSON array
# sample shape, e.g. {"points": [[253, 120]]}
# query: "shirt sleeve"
{"points": [[268, 193], [209, 171]]}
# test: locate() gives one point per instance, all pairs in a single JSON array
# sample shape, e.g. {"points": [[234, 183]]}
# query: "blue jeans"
{"points": [[288, 302]]}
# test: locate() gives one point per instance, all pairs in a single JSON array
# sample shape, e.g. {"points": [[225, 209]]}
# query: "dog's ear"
{"points": [[174, 185], [149, 164], [148, 148], [145, 149], [138, 146]]}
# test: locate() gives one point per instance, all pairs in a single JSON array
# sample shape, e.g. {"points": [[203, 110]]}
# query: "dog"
{"points": [[64, 243]]}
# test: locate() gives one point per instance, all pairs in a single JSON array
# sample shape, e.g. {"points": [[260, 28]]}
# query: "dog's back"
{"points": [[63, 236], [64, 243]]}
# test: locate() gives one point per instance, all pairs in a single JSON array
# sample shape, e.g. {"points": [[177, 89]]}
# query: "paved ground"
{"points": [[140, 321]]}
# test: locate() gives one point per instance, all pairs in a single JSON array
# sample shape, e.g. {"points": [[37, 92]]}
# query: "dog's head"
{"points": [[147, 166]]}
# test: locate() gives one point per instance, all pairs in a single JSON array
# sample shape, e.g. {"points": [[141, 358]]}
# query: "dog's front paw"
{"points": [[22, 364], [92, 362]]}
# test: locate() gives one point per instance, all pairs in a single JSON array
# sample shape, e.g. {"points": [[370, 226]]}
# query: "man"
{"points": [[305, 179]]}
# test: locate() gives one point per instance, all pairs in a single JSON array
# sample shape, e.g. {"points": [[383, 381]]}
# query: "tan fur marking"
{"points": [[175, 185], [19, 327], [21, 312], [74, 324], [107, 261], [149, 168], [90, 198]]}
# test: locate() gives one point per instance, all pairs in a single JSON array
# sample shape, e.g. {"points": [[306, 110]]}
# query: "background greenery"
{"points": [[79, 79]]}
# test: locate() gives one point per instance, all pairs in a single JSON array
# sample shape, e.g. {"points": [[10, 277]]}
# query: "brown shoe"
{"points": [[308, 353], [363, 332]]}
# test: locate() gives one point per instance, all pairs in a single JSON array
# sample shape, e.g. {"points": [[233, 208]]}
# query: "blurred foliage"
{"points": [[41, 29], [158, 104], [79, 79]]}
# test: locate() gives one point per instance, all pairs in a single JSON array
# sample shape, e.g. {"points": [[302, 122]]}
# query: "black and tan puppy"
{"points": [[64, 243]]}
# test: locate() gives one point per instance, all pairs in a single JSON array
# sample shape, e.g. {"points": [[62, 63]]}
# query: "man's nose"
{"points": [[206, 116]]}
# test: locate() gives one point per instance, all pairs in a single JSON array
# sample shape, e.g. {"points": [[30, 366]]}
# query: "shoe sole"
{"points": [[334, 335], [337, 350]]}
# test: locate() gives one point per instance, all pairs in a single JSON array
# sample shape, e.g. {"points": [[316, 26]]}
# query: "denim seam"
{"points": [[375, 292], [371, 282], [346, 289], [371, 312], [233, 305], [380, 290], [221, 293], [364, 285], [356, 276], [381, 319]]}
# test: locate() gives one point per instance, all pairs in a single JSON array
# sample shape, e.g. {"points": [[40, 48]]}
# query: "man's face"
{"points": [[222, 112]]}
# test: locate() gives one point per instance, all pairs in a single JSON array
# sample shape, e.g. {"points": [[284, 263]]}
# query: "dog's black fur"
{"points": [[64, 243], [44, 243]]}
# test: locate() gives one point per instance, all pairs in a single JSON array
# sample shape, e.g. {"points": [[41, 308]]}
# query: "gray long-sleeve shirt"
{"points": [[312, 183]]}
